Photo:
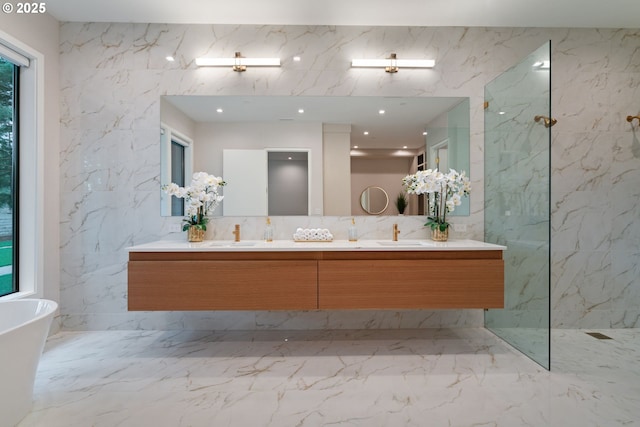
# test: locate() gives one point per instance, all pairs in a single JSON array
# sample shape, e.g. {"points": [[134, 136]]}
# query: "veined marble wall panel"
{"points": [[596, 179], [113, 74]]}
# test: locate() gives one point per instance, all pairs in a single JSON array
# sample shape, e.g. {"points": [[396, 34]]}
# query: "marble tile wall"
{"points": [[113, 74], [595, 180]]}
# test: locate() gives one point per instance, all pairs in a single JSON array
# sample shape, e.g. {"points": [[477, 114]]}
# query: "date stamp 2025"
{"points": [[24, 8]]}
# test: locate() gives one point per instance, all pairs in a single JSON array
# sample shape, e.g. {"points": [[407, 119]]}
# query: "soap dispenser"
{"points": [[268, 231], [353, 231]]}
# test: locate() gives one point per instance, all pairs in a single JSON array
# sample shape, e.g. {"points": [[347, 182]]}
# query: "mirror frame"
{"points": [[367, 191]]}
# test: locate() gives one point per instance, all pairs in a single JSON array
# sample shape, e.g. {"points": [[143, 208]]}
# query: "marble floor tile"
{"points": [[427, 377]]}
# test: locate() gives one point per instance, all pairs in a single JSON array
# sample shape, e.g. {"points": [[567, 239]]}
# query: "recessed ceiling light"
{"points": [[289, 158], [404, 147], [425, 132], [219, 110], [501, 112], [301, 110], [381, 112], [355, 146], [366, 132], [297, 58], [170, 58]]}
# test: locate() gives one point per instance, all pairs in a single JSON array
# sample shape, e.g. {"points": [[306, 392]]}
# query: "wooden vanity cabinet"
{"points": [[315, 280], [215, 281], [394, 280]]}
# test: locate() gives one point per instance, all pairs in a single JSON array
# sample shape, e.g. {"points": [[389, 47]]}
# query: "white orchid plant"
{"points": [[444, 192], [201, 198]]}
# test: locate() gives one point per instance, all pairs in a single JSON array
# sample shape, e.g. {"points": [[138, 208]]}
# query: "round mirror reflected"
{"points": [[374, 200]]}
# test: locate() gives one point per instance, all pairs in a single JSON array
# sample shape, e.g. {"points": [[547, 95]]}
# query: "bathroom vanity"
{"points": [[287, 275]]}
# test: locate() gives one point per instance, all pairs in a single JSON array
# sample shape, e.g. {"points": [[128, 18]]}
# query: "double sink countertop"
{"points": [[334, 245]]}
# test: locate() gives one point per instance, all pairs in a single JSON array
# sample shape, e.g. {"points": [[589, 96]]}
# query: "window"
{"points": [[9, 74], [177, 175], [22, 162], [176, 152]]}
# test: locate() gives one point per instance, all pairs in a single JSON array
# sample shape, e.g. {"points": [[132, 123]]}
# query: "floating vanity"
{"points": [[287, 275]]}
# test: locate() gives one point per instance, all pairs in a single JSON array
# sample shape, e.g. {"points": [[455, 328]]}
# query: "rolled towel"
{"points": [[312, 234]]}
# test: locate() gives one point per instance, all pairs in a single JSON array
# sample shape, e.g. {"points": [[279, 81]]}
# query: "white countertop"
{"points": [[336, 245]]}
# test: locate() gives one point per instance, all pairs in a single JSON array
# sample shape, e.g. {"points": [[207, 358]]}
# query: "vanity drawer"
{"points": [[411, 284], [223, 285]]}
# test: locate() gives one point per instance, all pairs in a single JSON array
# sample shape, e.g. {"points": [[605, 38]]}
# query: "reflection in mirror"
{"points": [[176, 166], [350, 145], [288, 182], [439, 155], [374, 200], [277, 184]]}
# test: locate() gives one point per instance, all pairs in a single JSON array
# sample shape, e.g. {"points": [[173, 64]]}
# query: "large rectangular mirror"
{"points": [[349, 144]]}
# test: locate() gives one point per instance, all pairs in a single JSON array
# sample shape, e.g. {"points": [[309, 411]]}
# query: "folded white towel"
{"points": [[312, 234]]}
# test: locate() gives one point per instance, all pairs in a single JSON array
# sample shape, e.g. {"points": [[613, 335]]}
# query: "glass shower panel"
{"points": [[517, 196]]}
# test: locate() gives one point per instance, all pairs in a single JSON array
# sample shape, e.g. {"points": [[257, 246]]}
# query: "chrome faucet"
{"points": [[395, 232], [236, 232]]}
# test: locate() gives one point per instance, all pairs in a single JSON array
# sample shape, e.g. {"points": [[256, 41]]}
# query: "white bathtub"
{"points": [[24, 326]]}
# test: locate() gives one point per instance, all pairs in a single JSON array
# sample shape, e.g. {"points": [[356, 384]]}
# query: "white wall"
{"points": [[438, 131], [177, 120], [212, 138], [337, 169], [113, 74]]}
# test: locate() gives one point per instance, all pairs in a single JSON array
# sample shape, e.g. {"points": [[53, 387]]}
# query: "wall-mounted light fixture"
{"points": [[238, 62], [393, 64]]}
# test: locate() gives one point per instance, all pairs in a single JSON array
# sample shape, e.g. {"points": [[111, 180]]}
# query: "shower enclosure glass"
{"points": [[517, 196]]}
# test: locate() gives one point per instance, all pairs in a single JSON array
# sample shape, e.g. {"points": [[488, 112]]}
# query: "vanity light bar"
{"points": [[238, 63], [393, 63], [402, 63], [226, 62]]}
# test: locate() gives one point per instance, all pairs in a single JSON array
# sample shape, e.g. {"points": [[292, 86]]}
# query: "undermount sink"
{"points": [[399, 243], [231, 244]]}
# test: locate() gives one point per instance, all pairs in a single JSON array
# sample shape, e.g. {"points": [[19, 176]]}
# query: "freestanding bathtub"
{"points": [[24, 326]]}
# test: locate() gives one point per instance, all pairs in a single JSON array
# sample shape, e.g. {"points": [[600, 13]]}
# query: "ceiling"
{"points": [[467, 13]]}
